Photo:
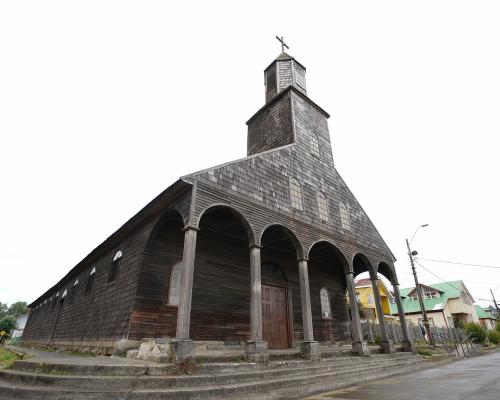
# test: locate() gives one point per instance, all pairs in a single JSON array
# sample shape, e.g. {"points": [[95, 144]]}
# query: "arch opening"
{"points": [[327, 267], [281, 302], [163, 250], [221, 283], [231, 222]]}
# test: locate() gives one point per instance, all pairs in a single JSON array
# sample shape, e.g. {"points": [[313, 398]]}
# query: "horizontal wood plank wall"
{"points": [[152, 315], [104, 313], [221, 289], [332, 277]]}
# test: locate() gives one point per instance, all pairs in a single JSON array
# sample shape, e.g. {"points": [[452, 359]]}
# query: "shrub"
{"points": [[7, 323], [497, 326], [424, 352], [494, 337], [478, 332]]}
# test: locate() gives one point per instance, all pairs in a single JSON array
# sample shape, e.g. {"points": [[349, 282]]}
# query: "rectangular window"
{"points": [[345, 217]]}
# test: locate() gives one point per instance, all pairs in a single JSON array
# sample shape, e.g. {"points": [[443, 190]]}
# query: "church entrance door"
{"points": [[275, 325]]}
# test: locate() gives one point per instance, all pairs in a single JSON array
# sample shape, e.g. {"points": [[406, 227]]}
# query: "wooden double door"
{"points": [[275, 317]]}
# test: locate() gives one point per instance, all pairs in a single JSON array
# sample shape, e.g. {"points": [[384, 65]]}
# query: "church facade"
{"points": [[261, 250]]}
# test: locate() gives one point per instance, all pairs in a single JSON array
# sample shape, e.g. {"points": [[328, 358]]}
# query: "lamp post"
{"points": [[418, 288]]}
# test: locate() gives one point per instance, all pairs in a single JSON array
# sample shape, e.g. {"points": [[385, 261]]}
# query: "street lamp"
{"points": [[418, 288]]}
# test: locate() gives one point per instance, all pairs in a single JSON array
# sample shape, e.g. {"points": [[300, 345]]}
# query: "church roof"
{"points": [[153, 208]]}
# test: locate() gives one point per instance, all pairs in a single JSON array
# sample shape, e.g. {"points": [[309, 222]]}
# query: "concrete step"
{"points": [[145, 381], [229, 390], [65, 368]]}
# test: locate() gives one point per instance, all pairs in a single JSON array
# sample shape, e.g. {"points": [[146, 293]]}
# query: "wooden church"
{"points": [[260, 252]]}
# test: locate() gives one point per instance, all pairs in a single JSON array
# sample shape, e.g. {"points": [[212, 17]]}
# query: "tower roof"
{"points": [[284, 57]]}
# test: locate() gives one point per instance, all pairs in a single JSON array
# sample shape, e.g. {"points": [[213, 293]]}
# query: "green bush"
{"points": [[497, 326], [7, 323], [424, 352], [478, 332], [494, 337]]}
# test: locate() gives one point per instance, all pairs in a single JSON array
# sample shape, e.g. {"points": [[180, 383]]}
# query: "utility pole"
{"points": [[496, 305], [418, 288]]}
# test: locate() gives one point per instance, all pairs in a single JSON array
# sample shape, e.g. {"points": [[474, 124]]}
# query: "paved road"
{"points": [[476, 378]]}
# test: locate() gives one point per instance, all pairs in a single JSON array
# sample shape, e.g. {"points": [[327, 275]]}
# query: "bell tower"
{"points": [[283, 72]]}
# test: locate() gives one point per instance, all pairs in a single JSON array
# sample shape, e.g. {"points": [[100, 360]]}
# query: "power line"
{"points": [[460, 263]]}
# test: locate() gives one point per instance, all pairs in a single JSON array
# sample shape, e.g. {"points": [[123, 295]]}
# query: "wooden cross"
{"points": [[283, 44]]}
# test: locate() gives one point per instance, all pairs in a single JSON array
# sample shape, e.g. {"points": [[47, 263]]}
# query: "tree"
{"points": [[19, 308], [8, 323], [3, 309]]}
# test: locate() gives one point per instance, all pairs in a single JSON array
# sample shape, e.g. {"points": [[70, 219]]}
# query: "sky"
{"points": [[103, 104]]}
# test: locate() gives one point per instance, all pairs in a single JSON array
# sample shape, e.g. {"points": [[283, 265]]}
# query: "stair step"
{"points": [[162, 382], [64, 368], [213, 391]]}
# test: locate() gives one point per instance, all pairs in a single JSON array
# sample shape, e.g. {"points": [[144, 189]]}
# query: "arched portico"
{"points": [[292, 299], [361, 264], [327, 280], [221, 281], [232, 214], [158, 285]]}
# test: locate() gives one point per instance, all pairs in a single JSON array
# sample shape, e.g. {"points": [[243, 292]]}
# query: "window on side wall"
{"points": [[90, 280], [174, 289], [114, 270]]}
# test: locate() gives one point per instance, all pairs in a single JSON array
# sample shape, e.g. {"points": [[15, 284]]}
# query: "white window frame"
{"points": [[326, 307]]}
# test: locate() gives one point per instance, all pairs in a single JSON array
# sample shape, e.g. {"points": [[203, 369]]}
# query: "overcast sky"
{"points": [[103, 104]]}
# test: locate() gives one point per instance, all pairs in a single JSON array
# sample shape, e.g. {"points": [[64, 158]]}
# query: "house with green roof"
{"points": [[485, 318], [448, 304]]}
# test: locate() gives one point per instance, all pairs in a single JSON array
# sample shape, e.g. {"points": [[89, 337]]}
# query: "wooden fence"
{"points": [[371, 331]]}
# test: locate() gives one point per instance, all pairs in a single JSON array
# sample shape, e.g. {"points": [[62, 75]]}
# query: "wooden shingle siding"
{"points": [[104, 313]]}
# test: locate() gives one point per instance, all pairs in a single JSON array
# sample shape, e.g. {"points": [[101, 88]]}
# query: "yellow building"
{"points": [[364, 293]]}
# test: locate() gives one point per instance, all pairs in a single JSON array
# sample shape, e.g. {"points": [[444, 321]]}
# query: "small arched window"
{"points": [[345, 216], [322, 206], [326, 310], [90, 280], [174, 290], [314, 145], [296, 194], [115, 267]]}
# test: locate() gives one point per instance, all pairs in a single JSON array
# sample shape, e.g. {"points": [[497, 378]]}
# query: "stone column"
{"points": [[359, 346], [386, 345], [256, 347], [407, 344], [308, 347], [183, 346]]}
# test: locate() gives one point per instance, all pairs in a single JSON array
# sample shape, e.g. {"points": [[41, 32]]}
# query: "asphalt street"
{"points": [[476, 378]]}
